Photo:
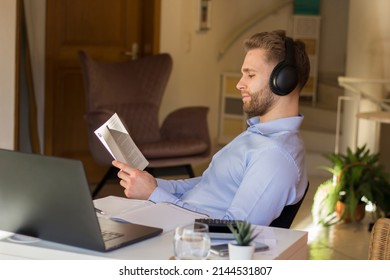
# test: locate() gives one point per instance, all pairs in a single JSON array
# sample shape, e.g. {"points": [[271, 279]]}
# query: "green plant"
{"points": [[357, 178], [243, 232]]}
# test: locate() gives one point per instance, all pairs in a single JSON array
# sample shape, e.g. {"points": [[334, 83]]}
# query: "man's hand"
{"points": [[137, 184]]}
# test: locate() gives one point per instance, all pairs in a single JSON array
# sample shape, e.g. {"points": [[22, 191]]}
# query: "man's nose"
{"points": [[240, 85]]}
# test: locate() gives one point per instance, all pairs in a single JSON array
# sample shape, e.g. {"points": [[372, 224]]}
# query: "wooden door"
{"points": [[108, 30]]}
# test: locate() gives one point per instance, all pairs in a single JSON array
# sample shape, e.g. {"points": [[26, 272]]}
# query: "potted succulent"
{"points": [[358, 179], [244, 235]]}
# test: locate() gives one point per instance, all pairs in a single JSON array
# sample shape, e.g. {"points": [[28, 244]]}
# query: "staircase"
{"points": [[319, 126], [319, 133]]}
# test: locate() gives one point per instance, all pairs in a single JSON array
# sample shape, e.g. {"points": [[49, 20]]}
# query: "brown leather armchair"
{"points": [[134, 90]]}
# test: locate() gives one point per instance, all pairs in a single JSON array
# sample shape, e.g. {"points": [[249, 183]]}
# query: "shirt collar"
{"points": [[274, 126]]}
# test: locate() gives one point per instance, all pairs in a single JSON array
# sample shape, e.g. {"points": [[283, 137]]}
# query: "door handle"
{"points": [[133, 53]]}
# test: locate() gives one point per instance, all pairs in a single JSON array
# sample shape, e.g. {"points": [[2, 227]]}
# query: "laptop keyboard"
{"points": [[109, 235]]}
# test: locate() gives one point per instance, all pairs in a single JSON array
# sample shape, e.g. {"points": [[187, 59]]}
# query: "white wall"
{"points": [[35, 20], [334, 26], [368, 57], [7, 72]]}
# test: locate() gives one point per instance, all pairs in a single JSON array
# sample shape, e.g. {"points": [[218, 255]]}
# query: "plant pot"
{"points": [[359, 213], [238, 252]]}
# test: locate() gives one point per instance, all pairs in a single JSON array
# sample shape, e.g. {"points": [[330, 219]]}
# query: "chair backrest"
{"points": [[128, 82], [288, 214], [132, 88], [380, 240]]}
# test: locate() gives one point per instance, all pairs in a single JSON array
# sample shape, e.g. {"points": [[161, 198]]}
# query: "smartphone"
{"points": [[222, 250]]}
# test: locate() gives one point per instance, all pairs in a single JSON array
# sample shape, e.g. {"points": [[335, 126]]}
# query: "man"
{"points": [[263, 169]]}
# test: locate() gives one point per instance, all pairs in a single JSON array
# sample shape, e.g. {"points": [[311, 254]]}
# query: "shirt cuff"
{"points": [[161, 194]]}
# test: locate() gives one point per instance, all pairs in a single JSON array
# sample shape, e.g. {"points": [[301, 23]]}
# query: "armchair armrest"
{"points": [[188, 122]]}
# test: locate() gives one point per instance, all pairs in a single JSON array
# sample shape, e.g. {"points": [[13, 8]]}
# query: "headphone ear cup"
{"points": [[283, 79]]}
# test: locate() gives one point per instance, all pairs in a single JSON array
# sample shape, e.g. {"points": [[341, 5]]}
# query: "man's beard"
{"points": [[260, 103]]}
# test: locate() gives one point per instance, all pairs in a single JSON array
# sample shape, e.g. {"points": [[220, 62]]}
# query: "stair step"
{"points": [[318, 119], [318, 142], [327, 95], [319, 126], [317, 145], [314, 162]]}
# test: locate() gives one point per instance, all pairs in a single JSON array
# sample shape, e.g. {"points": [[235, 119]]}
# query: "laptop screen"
{"points": [[46, 197]]}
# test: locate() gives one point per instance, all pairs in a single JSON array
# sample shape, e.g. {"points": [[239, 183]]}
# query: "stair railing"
{"points": [[250, 23]]}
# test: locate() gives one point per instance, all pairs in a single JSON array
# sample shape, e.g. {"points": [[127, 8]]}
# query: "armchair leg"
{"points": [[110, 174], [190, 171]]}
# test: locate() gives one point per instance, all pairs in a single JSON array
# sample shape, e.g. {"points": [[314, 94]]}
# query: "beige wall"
{"points": [[35, 13], [35, 20], [368, 57], [7, 72]]}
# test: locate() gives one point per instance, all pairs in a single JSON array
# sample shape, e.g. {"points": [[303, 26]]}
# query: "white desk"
{"points": [[380, 116], [283, 243], [290, 244]]}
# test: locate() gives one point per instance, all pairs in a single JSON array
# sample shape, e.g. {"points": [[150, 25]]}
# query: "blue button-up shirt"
{"points": [[252, 178]]}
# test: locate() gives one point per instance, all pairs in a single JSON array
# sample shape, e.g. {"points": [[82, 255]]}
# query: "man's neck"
{"points": [[285, 107]]}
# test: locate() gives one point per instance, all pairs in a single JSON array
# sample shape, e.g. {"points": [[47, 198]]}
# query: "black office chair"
{"points": [[288, 214]]}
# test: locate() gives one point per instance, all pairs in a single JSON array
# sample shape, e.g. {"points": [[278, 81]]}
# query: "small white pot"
{"points": [[237, 252]]}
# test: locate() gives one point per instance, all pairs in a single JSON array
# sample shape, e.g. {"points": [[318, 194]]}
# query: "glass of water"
{"points": [[192, 242]]}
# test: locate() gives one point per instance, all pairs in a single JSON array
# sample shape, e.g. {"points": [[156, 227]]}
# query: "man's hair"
{"points": [[274, 43]]}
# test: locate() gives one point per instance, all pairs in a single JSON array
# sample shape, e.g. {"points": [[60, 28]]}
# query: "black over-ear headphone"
{"points": [[284, 77]]}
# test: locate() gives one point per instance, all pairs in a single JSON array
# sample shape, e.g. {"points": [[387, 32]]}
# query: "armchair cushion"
{"points": [[173, 148], [184, 133]]}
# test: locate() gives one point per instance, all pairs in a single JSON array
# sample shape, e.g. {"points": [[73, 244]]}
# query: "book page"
{"points": [[162, 215], [114, 205], [125, 150], [118, 142]]}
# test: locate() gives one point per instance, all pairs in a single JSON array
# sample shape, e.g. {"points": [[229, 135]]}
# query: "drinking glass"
{"points": [[192, 242]]}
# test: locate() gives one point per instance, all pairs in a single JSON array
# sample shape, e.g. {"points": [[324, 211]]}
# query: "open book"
{"points": [[116, 139], [162, 215]]}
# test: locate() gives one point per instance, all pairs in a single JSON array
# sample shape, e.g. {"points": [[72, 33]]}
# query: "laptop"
{"points": [[49, 198]]}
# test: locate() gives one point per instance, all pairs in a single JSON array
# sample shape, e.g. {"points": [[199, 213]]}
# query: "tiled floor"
{"points": [[349, 241]]}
